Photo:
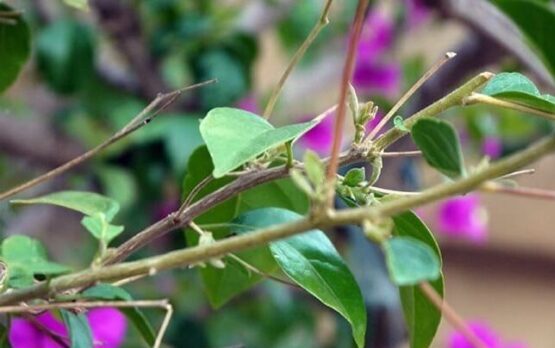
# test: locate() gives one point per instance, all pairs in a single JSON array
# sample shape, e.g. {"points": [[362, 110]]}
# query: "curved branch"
{"points": [[189, 256]]}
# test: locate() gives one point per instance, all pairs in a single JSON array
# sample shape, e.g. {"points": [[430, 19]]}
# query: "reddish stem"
{"points": [[342, 105]]}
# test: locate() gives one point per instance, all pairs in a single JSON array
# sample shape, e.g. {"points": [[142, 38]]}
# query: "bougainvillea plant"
{"points": [[252, 211]]}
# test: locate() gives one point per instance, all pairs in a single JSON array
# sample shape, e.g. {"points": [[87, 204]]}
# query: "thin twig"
{"points": [[451, 315], [478, 98], [401, 153], [202, 184], [322, 22], [143, 118], [448, 56], [163, 304], [518, 173], [348, 68], [383, 191], [82, 304], [493, 187], [263, 274], [164, 325]]}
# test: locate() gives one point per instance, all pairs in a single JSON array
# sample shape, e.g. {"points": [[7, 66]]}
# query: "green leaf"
{"points": [[199, 168], [421, 316], [282, 193], [109, 292], [26, 257], [100, 228], [88, 203], [15, 45], [410, 261], [354, 177], [310, 259], [65, 55], [440, 145], [224, 284], [77, 325], [235, 136], [519, 89], [537, 23]]}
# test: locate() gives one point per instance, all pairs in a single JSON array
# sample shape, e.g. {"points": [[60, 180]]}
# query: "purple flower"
{"points": [[376, 37], [486, 335], [417, 12], [492, 147], [319, 138], [371, 73], [463, 217], [108, 327]]}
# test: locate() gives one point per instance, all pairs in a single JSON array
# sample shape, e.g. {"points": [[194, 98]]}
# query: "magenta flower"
{"points": [[492, 147], [485, 334], [463, 217], [371, 73], [417, 12], [319, 138], [108, 327]]}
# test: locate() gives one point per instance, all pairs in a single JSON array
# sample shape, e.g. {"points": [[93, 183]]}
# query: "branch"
{"points": [[478, 98], [348, 68], [143, 118], [189, 256]]}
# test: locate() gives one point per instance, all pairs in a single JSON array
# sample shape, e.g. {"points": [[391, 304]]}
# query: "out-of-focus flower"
{"points": [[249, 103], [319, 138], [108, 327], [372, 74], [417, 12], [463, 217], [492, 147], [485, 334]]}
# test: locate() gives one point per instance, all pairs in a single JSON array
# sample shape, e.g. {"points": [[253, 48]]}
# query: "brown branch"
{"points": [[143, 118]]}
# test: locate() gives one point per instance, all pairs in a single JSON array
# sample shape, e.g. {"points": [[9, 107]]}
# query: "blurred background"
{"points": [[93, 68]]}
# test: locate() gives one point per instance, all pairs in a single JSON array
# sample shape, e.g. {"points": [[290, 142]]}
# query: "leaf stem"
{"points": [[161, 102], [478, 98], [493, 187], [322, 22]]}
